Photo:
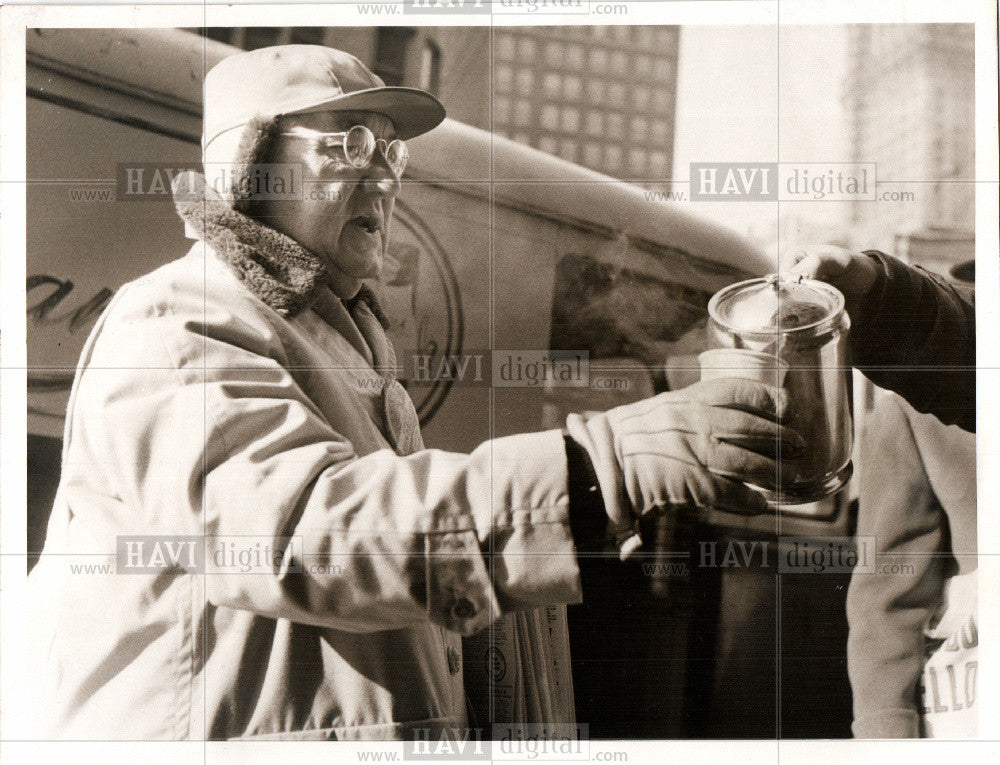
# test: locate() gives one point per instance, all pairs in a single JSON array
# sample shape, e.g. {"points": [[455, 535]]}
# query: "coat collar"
{"points": [[274, 267]]}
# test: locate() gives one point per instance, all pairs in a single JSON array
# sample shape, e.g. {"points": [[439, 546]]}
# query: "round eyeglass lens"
{"points": [[359, 145], [397, 155]]}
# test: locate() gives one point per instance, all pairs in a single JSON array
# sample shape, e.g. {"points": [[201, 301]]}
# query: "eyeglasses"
{"points": [[358, 144]]}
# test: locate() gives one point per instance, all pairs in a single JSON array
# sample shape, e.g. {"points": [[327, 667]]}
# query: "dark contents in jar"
{"points": [[794, 313]]}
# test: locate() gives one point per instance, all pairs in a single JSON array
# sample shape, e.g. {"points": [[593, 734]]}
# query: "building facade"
{"points": [[909, 100], [599, 96]]}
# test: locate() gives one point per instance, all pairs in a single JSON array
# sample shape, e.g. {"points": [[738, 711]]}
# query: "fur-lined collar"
{"points": [[273, 266]]}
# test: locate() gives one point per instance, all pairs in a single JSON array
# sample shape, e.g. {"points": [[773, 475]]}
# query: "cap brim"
{"points": [[413, 112]]}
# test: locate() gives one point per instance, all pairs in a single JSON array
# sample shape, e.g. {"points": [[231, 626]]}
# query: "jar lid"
{"points": [[775, 303]]}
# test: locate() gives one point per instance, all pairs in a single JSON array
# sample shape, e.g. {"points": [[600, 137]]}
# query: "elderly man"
{"points": [[220, 398]]}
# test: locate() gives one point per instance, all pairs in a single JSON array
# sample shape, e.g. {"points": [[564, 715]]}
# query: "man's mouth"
{"points": [[370, 223]]}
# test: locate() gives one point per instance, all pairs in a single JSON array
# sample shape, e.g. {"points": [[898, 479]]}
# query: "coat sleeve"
{"points": [[888, 609], [202, 430], [916, 335]]}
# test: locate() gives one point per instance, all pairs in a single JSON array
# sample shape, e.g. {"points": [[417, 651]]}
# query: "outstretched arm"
{"points": [[912, 331]]}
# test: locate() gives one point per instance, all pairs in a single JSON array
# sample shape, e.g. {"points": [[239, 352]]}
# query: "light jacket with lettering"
{"points": [[916, 336], [918, 504]]}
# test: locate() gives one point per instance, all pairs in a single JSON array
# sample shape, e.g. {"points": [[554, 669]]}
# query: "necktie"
{"points": [[400, 417], [368, 318]]}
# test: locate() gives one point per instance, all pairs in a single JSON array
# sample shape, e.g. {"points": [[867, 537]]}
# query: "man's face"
{"points": [[345, 211]]}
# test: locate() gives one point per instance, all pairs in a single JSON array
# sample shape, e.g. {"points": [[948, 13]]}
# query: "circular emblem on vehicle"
{"points": [[420, 296]]}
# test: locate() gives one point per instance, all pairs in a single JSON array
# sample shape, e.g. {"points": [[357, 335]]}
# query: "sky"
{"points": [[751, 94]]}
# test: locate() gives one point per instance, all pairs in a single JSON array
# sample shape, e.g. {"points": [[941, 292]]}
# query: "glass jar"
{"points": [[801, 325]]}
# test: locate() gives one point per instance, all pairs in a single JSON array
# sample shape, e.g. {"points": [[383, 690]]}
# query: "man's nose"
{"points": [[380, 176]]}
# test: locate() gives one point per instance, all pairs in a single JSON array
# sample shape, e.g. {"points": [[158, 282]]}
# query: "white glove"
{"points": [[691, 447]]}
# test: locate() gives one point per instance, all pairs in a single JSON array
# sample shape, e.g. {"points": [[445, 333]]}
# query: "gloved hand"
{"points": [[691, 447]]}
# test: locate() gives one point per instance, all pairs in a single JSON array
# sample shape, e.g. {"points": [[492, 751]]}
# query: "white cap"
{"points": [[299, 79]]}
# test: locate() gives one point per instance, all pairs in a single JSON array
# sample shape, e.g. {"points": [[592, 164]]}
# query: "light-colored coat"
{"points": [[199, 411]]}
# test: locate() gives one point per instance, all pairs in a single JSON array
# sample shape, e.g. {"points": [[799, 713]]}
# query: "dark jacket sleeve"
{"points": [[916, 335], [588, 521]]}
